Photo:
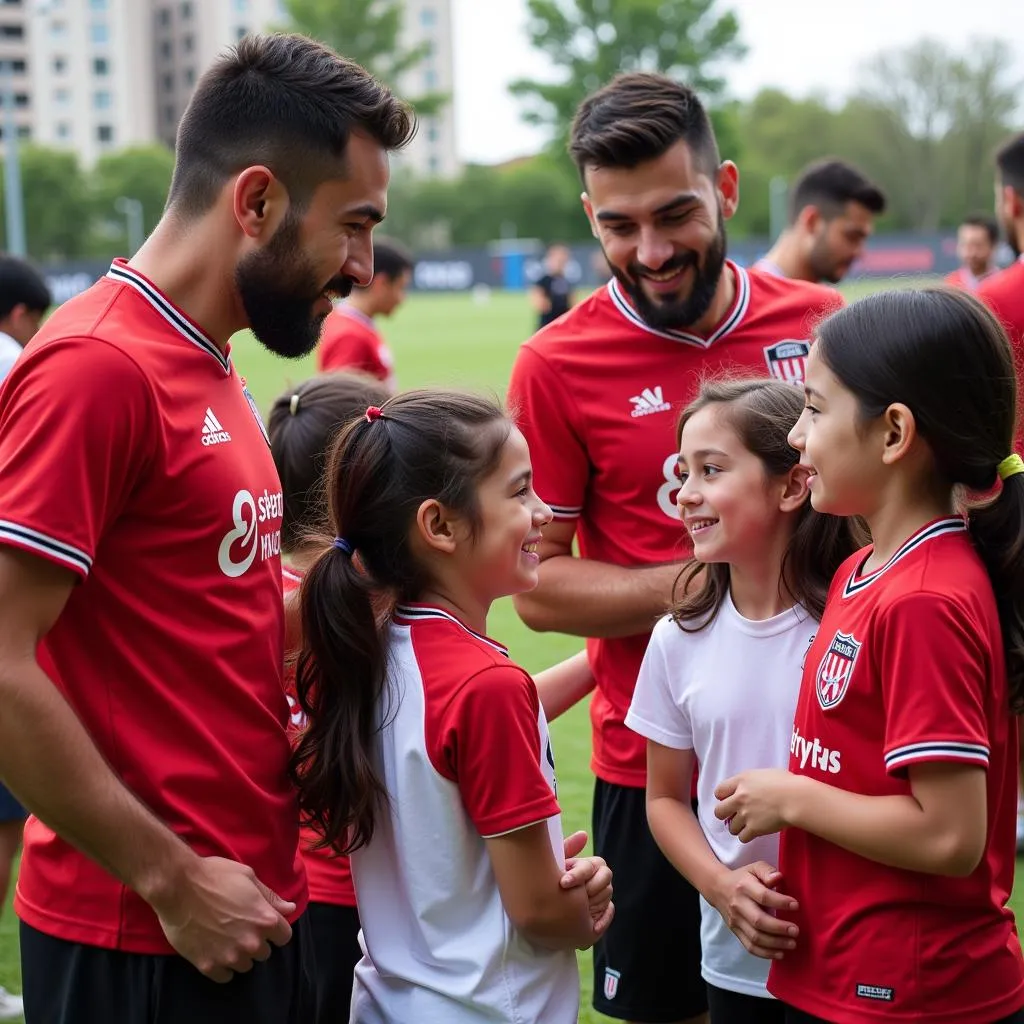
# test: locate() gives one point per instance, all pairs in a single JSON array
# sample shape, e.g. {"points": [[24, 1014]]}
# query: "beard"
{"points": [[680, 310], [278, 287], [823, 263]]}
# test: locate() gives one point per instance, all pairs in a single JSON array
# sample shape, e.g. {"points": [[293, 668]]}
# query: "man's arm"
{"points": [[593, 599], [539, 299], [214, 911]]}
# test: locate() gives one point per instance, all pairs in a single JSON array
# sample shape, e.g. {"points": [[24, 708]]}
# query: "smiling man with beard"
{"points": [[598, 393], [142, 709]]}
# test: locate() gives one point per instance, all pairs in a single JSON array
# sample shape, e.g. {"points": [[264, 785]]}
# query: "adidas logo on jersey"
{"points": [[213, 432], [650, 400]]}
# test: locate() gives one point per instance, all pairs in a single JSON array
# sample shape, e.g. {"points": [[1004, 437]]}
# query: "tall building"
{"points": [[187, 37], [91, 74], [99, 75], [15, 83], [432, 152]]}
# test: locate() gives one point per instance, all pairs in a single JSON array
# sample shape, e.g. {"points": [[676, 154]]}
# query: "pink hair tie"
{"points": [[373, 413]]}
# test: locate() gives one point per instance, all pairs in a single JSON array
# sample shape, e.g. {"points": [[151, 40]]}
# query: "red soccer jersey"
{"points": [[329, 876], [1003, 293], [963, 278], [350, 341], [131, 454], [907, 668], [598, 394]]}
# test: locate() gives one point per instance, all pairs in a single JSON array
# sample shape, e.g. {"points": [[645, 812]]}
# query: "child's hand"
{"points": [[745, 898], [595, 875], [754, 803]]}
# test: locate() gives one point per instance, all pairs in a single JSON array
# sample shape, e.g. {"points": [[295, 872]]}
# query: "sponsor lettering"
{"points": [[245, 540], [819, 756], [881, 993]]}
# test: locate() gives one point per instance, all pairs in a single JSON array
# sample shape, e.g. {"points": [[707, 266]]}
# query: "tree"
{"points": [[929, 117], [590, 41], [56, 203], [368, 32], [140, 172]]}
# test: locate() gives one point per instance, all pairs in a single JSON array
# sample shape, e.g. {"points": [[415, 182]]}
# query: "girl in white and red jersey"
{"points": [[899, 806], [718, 684], [301, 424], [426, 754]]}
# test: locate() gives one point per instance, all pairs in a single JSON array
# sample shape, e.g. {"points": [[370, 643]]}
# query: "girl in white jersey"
{"points": [[719, 681], [426, 754]]}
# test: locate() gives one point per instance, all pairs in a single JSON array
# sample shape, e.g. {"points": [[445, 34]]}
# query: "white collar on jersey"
{"points": [[120, 271], [731, 321], [953, 524], [424, 613]]}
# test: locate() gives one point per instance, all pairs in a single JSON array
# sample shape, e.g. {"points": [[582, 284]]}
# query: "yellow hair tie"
{"points": [[1010, 466]]}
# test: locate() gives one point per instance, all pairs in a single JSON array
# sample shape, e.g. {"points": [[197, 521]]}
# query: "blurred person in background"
{"points": [[551, 293], [977, 238]]}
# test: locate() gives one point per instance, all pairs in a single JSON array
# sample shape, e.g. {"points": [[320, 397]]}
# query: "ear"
{"points": [[899, 432], [588, 209], [810, 219], [727, 185], [795, 492], [259, 202], [436, 528]]}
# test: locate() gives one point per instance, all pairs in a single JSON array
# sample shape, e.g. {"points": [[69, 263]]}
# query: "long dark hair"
{"points": [[302, 423], [425, 444], [763, 412], [941, 353]]}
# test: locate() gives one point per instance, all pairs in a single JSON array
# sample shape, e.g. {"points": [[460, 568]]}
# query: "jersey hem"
{"points": [[145, 942], [739, 985], [34, 542], [635, 778], [649, 731], [534, 814], [333, 899], [840, 1013]]}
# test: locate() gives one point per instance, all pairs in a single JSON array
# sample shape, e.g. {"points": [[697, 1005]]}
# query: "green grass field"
{"points": [[448, 340]]}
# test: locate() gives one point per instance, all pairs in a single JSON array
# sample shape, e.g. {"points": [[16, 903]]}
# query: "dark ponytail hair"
{"points": [[763, 412], [424, 444], [301, 425], [941, 353]]}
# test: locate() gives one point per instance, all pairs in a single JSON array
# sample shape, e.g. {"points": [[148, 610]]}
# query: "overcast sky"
{"points": [[792, 44]]}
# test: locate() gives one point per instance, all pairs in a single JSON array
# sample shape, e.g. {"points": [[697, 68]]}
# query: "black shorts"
{"points": [[647, 966], [10, 809], [334, 932], [799, 1017], [71, 983], [725, 1007]]}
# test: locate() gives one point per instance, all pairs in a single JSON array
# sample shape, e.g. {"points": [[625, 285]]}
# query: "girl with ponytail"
{"points": [[899, 806], [426, 753]]}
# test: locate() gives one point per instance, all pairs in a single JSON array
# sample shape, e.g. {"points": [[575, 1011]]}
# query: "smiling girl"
{"points": [[426, 753], [719, 681], [899, 806]]}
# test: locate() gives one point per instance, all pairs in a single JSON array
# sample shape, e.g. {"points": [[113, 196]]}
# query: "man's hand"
{"points": [[222, 918]]}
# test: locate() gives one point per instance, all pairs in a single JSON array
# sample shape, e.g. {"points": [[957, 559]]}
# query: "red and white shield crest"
{"points": [[787, 360], [835, 670], [611, 983]]}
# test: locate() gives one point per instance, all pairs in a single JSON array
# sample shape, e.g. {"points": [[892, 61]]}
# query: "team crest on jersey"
{"points": [[835, 670], [787, 360], [611, 983]]}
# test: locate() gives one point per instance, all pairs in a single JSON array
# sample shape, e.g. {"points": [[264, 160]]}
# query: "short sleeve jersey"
{"points": [[350, 341], [132, 455], [465, 756], [598, 394], [963, 278], [329, 875], [907, 668]]}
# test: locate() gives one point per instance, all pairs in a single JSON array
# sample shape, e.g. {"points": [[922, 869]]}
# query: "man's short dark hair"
{"points": [[288, 103], [981, 220], [390, 258], [828, 185], [1010, 161], [636, 118], [22, 285]]}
